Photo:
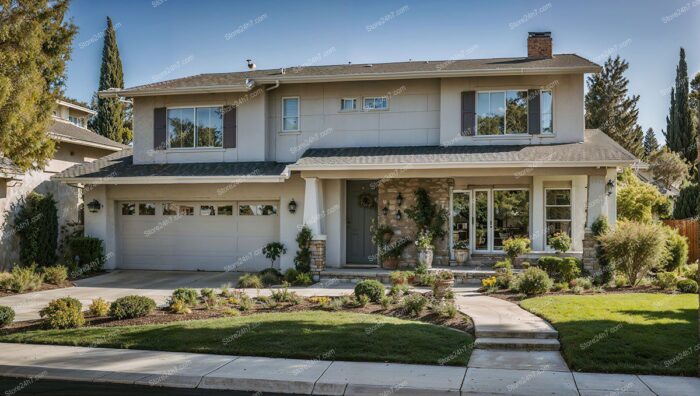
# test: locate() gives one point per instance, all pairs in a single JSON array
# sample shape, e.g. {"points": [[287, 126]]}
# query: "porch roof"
{"points": [[119, 168], [597, 149]]}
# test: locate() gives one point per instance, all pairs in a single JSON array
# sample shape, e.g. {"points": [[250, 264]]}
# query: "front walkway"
{"points": [[243, 373]]}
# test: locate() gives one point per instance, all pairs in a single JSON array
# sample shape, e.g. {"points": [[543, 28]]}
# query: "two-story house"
{"points": [[75, 144], [224, 163]]}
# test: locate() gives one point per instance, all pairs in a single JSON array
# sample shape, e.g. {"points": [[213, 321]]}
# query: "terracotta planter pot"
{"points": [[441, 287], [390, 263], [425, 257], [461, 256]]}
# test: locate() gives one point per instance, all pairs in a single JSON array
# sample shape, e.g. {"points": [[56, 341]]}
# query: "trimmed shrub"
{"points": [[634, 248], [561, 269], [250, 281], [688, 286], [131, 307], [36, 225], [56, 274], [514, 247], [370, 288], [186, 295], [666, 280], [533, 281], [584, 283], [560, 242], [98, 307], [302, 260], [290, 275], [63, 313], [413, 304], [7, 315], [270, 279], [89, 252], [676, 250], [25, 278]]}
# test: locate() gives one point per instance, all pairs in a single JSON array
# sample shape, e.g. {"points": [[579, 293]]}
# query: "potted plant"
{"points": [[461, 249], [424, 243], [514, 247], [444, 282], [392, 253]]}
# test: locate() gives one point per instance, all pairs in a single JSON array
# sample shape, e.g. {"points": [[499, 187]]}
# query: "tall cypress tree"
{"points": [[111, 119], [680, 136], [650, 143], [610, 109]]}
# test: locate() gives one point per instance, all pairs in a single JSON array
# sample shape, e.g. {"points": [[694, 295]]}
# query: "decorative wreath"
{"points": [[367, 200]]}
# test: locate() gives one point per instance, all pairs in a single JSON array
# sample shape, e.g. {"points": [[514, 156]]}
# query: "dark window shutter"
{"points": [[159, 128], [229, 127], [468, 113], [533, 112]]}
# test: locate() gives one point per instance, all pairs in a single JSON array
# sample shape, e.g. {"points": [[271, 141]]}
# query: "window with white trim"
{"points": [[557, 211], [348, 104], [290, 114], [192, 127], [501, 112], [376, 103], [546, 105]]}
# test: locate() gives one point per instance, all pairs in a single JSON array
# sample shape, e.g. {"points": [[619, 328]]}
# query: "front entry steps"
{"points": [[517, 344]]}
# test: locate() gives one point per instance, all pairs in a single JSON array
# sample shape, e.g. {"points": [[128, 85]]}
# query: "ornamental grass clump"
{"points": [[634, 248]]}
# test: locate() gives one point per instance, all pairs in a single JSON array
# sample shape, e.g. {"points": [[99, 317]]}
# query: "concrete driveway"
{"points": [[158, 285]]}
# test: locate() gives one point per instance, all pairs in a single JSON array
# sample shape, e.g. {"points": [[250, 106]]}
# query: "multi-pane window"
{"points": [[501, 112], [557, 212], [128, 209], [195, 127], [207, 210], [257, 210], [225, 210], [348, 104], [376, 103], [147, 209], [547, 126], [290, 114]]}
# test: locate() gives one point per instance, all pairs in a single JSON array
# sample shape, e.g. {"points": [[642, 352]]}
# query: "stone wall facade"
{"points": [[439, 190], [318, 255], [589, 258]]}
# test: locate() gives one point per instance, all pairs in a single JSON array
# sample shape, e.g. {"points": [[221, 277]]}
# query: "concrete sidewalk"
{"points": [[295, 376]]}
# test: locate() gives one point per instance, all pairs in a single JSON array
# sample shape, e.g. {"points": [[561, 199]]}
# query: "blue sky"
{"points": [[165, 39]]}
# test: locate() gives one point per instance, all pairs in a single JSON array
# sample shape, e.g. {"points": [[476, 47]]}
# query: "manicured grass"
{"points": [[625, 333], [304, 334]]}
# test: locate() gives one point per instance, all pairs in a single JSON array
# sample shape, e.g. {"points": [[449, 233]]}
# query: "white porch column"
{"points": [[313, 205], [578, 221], [538, 227], [597, 199], [611, 174]]}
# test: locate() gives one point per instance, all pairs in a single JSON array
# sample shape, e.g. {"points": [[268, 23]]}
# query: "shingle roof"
{"points": [[64, 129], [375, 70], [120, 165], [597, 148]]}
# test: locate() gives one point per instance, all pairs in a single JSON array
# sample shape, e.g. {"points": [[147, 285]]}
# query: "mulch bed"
{"points": [[460, 322], [517, 297], [44, 287]]}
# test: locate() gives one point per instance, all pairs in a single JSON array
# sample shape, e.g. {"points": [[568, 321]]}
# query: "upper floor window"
{"points": [[77, 121], [501, 112], [547, 125], [348, 104], [290, 114], [376, 103], [195, 127]]}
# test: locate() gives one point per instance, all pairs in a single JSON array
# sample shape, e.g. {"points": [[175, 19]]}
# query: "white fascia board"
{"points": [[173, 179], [173, 91], [68, 139], [457, 165]]}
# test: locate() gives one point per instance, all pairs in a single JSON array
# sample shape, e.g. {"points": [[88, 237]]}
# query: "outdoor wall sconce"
{"points": [[292, 206], [610, 186], [399, 199], [398, 215], [385, 210], [94, 206]]}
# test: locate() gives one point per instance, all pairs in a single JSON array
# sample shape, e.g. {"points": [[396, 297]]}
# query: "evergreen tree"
{"points": [[686, 205], [111, 119], [651, 145], [680, 135], [34, 47], [610, 109]]}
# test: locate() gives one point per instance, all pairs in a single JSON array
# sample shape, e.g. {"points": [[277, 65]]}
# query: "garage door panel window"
{"points": [[257, 210], [147, 209], [169, 209], [207, 210], [128, 209], [225, 210], [186, 210]]}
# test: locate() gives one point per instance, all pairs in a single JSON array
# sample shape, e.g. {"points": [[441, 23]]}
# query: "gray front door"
{"points": [[359, 248]]}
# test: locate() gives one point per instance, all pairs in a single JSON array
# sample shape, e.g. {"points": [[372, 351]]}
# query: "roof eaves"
{"points": [[70, 139]]}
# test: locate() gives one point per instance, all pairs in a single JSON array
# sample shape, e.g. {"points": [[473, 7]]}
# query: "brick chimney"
{"points": [[539, 45]]}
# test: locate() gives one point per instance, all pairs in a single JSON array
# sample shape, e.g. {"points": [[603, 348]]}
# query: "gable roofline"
{"points": [[76, 107], [65, 131]]}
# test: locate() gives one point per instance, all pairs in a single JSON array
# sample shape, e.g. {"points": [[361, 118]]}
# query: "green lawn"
{"points": [[625, 333], [304, 334]]}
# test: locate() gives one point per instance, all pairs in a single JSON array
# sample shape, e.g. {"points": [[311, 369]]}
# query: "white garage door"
{"points": [[207, 236]]}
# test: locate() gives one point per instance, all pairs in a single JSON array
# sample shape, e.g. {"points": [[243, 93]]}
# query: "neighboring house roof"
{"points": [[597, 149], [245, 81], [74, 104], [8, 169], [118, 168], [65, 131], [646, 176]]}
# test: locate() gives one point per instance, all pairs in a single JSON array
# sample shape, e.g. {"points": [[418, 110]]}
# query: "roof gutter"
{"points": [[130, 93], [150, 180], [463, 165]]}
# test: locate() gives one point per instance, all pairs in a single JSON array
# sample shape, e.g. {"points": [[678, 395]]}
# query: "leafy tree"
{"points": [[34, 47], [668, 167], [610, 109], [636, 200], [680, 136], [650, 143], [694, 99], [111, 120], [36, 225], [686, 205]]}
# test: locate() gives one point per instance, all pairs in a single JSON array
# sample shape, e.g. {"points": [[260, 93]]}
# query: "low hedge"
{"points": [[561, 269], [131, 307], [687, 286]]}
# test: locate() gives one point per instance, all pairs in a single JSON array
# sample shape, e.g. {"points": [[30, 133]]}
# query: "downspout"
{"points": [[277, 84]]}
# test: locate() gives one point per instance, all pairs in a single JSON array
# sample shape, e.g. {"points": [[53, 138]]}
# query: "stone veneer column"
{"points": [[318, 253], [590, 260]]}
